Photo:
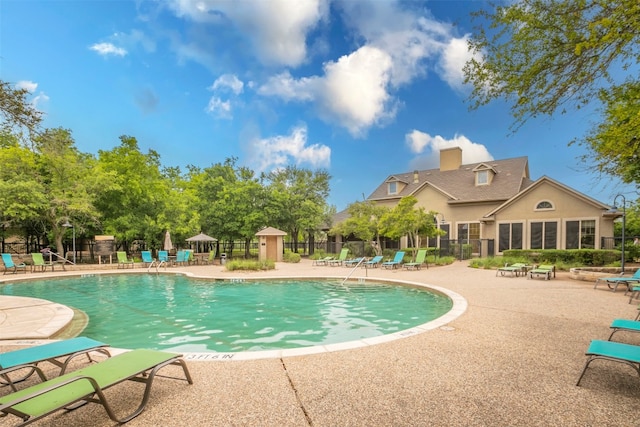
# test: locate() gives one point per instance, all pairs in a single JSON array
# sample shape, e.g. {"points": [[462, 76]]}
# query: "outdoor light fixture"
{"points": [[624, 223], [69, 225]]}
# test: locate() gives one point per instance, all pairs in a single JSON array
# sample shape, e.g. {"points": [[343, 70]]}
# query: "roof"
{"points": [[511, 177], [270, 231]]}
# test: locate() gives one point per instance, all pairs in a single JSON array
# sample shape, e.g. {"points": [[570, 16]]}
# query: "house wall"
{"points": [[566, 206]]}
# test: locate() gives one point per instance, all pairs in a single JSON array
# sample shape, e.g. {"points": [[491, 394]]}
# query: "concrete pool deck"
{"points": [[511, 359]]}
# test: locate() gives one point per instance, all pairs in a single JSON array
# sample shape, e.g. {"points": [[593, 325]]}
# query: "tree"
{"points": [[69, 181], [297, 200], [406, 220], [545, 56], [16, 112], [364, 222]]}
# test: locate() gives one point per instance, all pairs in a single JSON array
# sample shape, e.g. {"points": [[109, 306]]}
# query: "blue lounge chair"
{"points": [[373, 262], [341, 258], [397, 260], [420, 260], [147, 259], [182, 258], [353, 262], [87, 385], [613, 282], [613, 351], [624, 325], [59, 353], [9, 264]]}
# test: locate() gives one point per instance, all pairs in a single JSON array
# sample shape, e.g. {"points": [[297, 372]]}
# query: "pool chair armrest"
{"points": [[6, 380]]}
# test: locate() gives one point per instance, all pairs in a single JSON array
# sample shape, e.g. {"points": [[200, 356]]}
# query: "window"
{"points": [[545, 205], [544, 235], [510, 236], [482, 177], [581, 234], [393, 187]]}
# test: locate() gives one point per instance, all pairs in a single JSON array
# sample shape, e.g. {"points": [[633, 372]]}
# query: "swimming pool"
{"points": [[180, 313]]}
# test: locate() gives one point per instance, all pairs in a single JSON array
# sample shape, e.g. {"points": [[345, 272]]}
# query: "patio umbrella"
{"points": [[201, 238], [167, 242]]}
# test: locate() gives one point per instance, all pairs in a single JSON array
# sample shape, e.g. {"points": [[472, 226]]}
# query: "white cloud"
{"points": [[278, 151], [277, 29], [28, 85], [421, 142], [219, 108], [228, 81], [106, 49], [454, 55]]}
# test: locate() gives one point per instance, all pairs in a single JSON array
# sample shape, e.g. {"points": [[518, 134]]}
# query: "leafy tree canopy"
{"points": [[548, 56]]}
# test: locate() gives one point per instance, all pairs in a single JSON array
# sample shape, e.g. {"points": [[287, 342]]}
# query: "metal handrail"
{"points": [[352, 270]]}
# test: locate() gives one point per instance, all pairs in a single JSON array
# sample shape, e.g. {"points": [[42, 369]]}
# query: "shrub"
{"points": [[291, 257], [250, 265]]}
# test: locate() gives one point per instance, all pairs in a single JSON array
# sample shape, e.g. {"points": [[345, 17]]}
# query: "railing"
{"points": [[353, 270]]}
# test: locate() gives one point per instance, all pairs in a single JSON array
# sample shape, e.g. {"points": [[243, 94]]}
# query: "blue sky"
{"points": [[362, 88]]}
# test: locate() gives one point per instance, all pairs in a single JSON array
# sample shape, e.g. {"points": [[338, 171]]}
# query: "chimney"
{"points": [[450, 159], [415, 177]]}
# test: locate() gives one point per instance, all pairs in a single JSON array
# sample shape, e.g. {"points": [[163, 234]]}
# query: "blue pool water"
{"points": [[185, 314]]}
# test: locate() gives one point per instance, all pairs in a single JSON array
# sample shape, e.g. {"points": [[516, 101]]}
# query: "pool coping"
{"points": [[62, 317]]}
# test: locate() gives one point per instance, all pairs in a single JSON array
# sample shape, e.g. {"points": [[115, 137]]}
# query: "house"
{"points": [[494, 206]]}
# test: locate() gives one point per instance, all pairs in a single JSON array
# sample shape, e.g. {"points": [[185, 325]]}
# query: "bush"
{"points": [[291, 257], [250, 265], [575, 257]]}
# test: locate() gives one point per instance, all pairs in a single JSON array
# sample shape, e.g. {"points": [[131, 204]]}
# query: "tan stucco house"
{"points": [[496, 206]]}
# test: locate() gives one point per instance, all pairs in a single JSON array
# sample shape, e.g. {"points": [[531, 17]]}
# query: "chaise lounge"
{"points": [[88, 385], [420, 260], [59, 353], [514, 269], [614, 282], [397, 260], [544, 270], [7, 260], [613, 351]]}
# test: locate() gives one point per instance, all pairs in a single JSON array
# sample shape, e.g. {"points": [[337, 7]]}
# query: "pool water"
{"points": [[175, 312]]}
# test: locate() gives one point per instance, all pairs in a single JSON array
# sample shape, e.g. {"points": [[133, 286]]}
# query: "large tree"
{"points": [[364, 222], [17, 114], [405, 219], [549, 56]]}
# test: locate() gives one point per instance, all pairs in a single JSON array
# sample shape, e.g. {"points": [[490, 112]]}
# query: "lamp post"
{"points": [[68, 225], [624, 223]]}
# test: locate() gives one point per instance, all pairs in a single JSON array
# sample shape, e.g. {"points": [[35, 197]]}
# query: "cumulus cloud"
{"points": [[107, 49], [278, 151], [39, 100], [428, 147], [454, 55], [219, 108], [277, 29], [228, 82]]}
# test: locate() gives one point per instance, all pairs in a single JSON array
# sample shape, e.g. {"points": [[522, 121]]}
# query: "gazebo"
{"points": [[271, 244], [201, 238]]}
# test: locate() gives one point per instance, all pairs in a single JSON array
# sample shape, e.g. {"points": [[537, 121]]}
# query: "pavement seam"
{"points": [[295, 392]]}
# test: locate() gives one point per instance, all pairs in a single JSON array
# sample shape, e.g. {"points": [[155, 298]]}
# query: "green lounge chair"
{"points": [[373, 262], [210, 259], [514, 269], [88, 384], [397, 260], [545, 270], [613, 351], [59, 353], [322, 261], [341, 258], [613, 282], [421, 257], [39, 263], [123, 261], [9, 264]]}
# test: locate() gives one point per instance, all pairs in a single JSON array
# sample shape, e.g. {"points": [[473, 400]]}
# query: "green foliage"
{"points": [[292, 257], [250, 265], [17, 113], [364, 222], [547, 56], [573, 257]]}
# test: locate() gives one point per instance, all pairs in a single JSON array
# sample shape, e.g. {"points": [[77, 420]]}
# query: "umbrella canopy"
{"points": [[201, 238], [167, 242]]}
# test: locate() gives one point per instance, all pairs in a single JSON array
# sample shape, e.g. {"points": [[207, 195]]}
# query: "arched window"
{"points": [[544, 205]]}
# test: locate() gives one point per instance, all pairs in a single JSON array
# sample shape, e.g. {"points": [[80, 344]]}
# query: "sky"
{"points": [[363, 89]]}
